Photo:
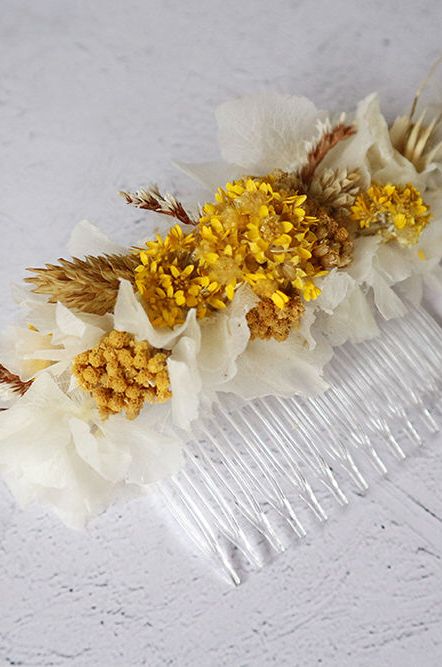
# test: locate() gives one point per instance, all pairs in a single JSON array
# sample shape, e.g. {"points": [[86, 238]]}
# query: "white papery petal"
{"points": [[334, 289], [224, 337], [387, 301], [184, 375], [280, 368], [394, 263], [265, 132], [38, 458], [108, 460], [154, 455], [211, 175], [305, 328], [87, 239], [369, 269], [130, 316], [351, 320], [34, 434], [68, 323], [361, 267], [431, 238], [87, 495], [40, 313], [7, 396], [352, 152], [411, 289]]}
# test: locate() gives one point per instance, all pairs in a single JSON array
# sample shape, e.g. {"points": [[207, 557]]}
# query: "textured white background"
{"points": [[96, 96]]}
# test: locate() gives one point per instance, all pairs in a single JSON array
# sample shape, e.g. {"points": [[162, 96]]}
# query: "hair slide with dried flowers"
{"points": [[259, 352]]}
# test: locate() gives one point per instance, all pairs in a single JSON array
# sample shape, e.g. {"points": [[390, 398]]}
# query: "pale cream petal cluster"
{"points": [[55, 450]]}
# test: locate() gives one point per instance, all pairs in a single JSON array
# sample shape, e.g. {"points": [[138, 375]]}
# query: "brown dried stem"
{"points": [[326, 142], [151, 199]]}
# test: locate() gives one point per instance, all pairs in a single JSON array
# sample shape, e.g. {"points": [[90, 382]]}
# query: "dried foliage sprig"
{"points": [[89, 285], [13, 381], [326, 142], [151, 199]]}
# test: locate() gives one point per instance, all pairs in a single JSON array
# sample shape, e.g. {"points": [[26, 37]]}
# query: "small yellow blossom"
{"points": [[393, 211], [171, 282]]}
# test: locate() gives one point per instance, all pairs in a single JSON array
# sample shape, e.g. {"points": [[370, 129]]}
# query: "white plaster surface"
{"points": [[99, 95]]}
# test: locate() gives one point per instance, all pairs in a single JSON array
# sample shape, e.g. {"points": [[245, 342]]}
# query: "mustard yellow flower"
{"points": [[257, 231], [395, 212], [171, 282], [261, 235]]}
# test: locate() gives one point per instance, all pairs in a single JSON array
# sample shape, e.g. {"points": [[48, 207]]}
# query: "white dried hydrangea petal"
{"points": [[224, 338], [88, 239], [155, 455], [266, 131], [411, 289], [352, 320], [281, 368], [334, 289], [56, 451], [109, 460], [211, 175], [387, 301], [185, 379]]}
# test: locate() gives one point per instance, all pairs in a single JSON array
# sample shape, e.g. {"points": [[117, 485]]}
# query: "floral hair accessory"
{"points": [[298, 278]]}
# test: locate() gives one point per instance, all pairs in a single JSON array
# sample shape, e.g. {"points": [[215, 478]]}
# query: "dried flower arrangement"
{"points": [[119, 352]]}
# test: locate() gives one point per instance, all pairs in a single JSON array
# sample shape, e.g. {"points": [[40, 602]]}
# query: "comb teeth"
{"points": [[262, 472]]}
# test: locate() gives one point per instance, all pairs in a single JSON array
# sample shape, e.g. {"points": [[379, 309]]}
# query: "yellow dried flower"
{"points": [[393, 211], [171, 281], [260, 235], [258, 231], [122, 374]]}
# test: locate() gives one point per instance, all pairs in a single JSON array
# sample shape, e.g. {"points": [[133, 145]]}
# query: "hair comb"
{"points": [[259, 358]]}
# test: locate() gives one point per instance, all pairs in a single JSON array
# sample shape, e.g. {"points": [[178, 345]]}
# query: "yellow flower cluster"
{"points": [[253, 233], [170, 280], [393, 211], [122, 373], [262, 236]]}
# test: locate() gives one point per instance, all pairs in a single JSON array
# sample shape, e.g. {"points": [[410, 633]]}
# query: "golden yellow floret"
{"points": [[259, 231], [259, 234], [395, 212], [121, 373], [170, 280]]}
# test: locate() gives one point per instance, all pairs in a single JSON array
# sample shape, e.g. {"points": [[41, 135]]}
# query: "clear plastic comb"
{"points": [[260, 474]]}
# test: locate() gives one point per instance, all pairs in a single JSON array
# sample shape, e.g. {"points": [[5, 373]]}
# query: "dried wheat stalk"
{"points": [[89, 285], [326, 142], [13, 381], [151, 199]]}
